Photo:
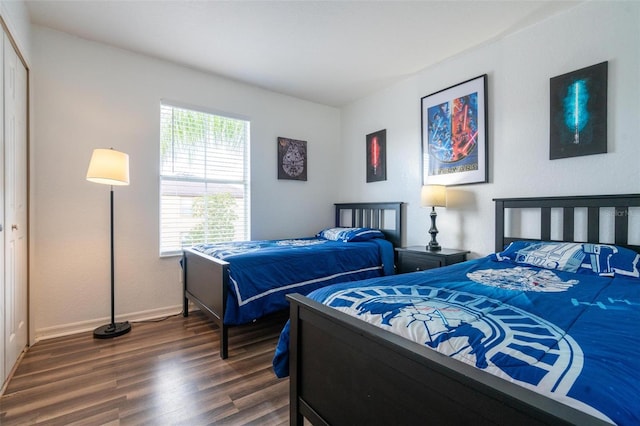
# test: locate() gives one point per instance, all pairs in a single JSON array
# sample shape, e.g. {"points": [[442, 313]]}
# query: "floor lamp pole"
{"points": [[113, 281], [114, 329]]}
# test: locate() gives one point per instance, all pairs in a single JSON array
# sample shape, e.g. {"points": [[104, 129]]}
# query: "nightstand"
{"points": [[418, 258]]}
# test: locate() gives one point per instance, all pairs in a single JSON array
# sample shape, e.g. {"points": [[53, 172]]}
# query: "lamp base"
{"points": [[433, 247], [433, 244], [112, 330]]}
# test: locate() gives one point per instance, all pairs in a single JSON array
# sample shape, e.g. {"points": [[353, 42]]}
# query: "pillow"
{"points": [[349, 234], [550, 255], [601, 259], [609, 260]]}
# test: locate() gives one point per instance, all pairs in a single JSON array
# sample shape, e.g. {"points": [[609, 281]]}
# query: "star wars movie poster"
{"points": [[454, 134]]}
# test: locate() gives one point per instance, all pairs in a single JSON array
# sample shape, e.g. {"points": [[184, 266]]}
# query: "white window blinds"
{"points": [[204, 178]]}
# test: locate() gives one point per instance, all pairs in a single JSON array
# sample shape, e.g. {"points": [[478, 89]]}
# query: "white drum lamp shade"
{"points": [[434, 196], [109, 167]]}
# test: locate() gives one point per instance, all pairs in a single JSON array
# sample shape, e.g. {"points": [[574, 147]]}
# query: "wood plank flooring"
{"points": [[161, 373]]}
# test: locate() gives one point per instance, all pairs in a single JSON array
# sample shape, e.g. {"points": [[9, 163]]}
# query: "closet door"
{"points": [[15, 202], [3, 372]]}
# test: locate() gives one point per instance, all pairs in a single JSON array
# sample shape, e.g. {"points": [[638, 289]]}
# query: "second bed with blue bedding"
{"points": [[261, 273], [561, 319]]}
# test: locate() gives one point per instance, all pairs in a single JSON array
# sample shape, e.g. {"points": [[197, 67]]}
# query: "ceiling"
{"points": [[330, 52]]}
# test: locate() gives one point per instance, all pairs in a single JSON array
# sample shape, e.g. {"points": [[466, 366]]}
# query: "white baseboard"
{"points": [[83, 326]]}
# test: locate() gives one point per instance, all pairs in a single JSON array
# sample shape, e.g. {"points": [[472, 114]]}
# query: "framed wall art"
{"points": [[454, 134], [292, 159], [377, 156], [578, 124]]}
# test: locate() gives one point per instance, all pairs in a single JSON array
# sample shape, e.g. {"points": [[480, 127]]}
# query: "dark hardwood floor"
{"points": [[161, 373]]}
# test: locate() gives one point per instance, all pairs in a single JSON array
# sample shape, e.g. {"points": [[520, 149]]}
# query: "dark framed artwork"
{"points": [[292, 159], [454, 134], [377, 156], [578, 123]]}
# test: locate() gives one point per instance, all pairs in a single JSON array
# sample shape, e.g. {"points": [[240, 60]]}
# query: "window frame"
{"points": [[245, 182]]}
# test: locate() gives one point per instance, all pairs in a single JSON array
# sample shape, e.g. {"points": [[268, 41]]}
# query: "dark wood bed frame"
{"points": [[346, 371], [206, 279]]}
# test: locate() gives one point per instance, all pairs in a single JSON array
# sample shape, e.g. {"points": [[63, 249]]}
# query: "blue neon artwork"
{"points": [[578, 122]]}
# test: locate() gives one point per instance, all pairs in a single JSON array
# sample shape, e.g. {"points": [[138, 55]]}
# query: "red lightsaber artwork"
{"points": [[375, 154]]}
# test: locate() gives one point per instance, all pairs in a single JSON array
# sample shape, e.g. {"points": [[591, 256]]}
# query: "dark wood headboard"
{"points": [[592, 204], [373, 215]]}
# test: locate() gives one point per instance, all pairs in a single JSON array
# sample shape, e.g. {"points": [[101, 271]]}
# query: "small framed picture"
{"points": [[292, 159], [377, 156]]}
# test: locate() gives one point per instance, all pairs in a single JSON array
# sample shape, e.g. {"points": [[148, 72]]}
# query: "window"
{"points": [[204, 178]]}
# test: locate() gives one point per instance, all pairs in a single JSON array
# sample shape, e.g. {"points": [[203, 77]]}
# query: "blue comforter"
{"points": [[574, 337], [261, 273]]}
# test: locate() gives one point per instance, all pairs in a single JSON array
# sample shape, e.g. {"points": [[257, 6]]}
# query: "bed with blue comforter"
{"points": [[561, 319], [239, 282], [261, 273]]}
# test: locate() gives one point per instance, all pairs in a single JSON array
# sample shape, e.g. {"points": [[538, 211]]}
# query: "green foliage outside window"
{"points": [[218, 212]]}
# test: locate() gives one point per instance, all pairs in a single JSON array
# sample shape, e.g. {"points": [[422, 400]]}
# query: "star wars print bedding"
{"points": [[562, 319], [261, 273]]}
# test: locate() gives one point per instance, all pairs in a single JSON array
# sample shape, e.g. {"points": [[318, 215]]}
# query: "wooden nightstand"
{"points": [[418, 258]]}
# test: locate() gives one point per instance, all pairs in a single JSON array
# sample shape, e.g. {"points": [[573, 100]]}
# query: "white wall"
{"points": [[90, 95], [519, 68]]}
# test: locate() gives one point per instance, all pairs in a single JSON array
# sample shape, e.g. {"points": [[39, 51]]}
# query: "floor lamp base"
{"points": [[112, 330]]}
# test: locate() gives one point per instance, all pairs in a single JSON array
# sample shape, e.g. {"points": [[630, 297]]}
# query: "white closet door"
{"points": [[3, 372], [15, 184]]}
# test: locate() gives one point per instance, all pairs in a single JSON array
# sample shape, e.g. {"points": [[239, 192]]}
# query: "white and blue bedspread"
{"points": [[261, 273], [572, 336]]}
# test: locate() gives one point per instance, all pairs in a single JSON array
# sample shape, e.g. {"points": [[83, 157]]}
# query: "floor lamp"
{"points": [[110, 167], [434, 196]]}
